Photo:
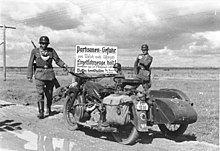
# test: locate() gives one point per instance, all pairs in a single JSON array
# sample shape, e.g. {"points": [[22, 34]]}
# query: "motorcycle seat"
{"points": [[132, 82]]}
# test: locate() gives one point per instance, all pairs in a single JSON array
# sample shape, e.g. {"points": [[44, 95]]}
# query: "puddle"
{"points": [[27, 140]]}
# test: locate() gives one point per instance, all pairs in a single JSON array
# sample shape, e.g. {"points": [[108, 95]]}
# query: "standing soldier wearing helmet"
{"points": [[142, 68], [44, 74]]}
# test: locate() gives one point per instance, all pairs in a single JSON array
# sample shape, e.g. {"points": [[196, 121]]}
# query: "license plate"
{"points": [[142, 106]]}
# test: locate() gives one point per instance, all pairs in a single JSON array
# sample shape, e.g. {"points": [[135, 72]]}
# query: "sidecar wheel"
{"points": [[126, 135], [172, 130], [68, 113]]}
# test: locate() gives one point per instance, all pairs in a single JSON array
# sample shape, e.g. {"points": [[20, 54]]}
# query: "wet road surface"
{"points": [[20, 130]]}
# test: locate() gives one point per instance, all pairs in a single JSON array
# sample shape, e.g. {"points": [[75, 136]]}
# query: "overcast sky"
{"points": [[180, 33]]}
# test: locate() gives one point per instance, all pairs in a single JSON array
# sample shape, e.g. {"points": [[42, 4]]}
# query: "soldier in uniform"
{"points": [[142, 68], [44, 74], [118, 78], [117, 68]]}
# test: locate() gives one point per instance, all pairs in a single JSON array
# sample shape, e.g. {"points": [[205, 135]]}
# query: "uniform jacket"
{"points": [[44, 68], [142, 62], [142, 66], [120, 74]]}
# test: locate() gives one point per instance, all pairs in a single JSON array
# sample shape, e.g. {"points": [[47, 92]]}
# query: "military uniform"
{"points": [[142, 69], [119, 77], [44, 74]]}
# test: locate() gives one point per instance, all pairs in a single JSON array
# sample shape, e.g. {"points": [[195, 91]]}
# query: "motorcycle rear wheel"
{"points": [[68, 113], [172, 130], [126, 134]]}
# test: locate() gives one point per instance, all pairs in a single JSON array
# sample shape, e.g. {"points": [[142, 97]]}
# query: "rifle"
{"points": [[33, 44], [55, 81], [34, 64]]}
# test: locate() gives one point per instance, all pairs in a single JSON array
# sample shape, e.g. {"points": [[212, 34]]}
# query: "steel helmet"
{"points": [[144, 46], [117, 65], [44, 40]]}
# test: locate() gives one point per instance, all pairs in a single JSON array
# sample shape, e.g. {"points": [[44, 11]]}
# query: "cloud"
{"points": [[57, 15], [202, 50], [177, 33], [212, 38], [21, 10], [204, 43]]}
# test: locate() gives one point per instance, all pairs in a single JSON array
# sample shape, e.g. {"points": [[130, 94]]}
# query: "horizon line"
{"points": [[127, 67]]}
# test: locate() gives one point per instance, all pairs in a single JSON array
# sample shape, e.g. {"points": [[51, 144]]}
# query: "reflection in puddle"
{"points": [[32, 141], [52, 144]]}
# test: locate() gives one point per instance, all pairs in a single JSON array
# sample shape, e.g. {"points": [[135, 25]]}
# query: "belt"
{"points": [[45, 67], [142, 68]]}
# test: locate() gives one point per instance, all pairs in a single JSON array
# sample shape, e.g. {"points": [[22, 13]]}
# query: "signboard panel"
{"points": [[95, 59]]}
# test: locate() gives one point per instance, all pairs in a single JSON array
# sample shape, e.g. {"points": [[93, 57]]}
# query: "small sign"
{"points": [[95, 59]]}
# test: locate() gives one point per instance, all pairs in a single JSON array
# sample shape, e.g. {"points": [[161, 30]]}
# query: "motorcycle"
{"points": [[126, 113]]}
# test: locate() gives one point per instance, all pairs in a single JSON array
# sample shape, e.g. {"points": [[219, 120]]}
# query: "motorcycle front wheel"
{"points": [[172, 130], [68, 113], [126, 134]]}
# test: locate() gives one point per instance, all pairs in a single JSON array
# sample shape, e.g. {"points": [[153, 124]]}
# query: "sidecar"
{"points": [[172, 111]]}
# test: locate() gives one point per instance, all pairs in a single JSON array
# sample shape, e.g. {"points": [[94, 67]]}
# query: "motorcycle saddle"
{"points": [[132, 82]]}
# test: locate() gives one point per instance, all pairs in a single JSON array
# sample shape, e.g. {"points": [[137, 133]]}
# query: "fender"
{"points": [[173, 111], [140, 117], [170, 93], [140, 120]]}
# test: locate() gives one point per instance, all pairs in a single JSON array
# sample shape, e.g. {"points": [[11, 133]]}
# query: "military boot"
{"points": [[48, 109], [41, 110]]}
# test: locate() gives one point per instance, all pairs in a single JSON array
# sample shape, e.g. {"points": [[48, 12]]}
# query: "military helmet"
{"points": [[117, 65], [144, 46], [44, 40]]}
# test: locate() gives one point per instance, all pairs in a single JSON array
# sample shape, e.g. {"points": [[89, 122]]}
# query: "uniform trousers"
{"points": [[44, 87]]}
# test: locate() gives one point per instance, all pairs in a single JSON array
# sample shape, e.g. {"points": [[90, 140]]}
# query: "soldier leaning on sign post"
{"points": [[44, 74]]}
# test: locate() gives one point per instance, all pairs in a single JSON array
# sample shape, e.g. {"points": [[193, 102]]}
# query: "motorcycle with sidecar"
{"points": [[126, 113]]}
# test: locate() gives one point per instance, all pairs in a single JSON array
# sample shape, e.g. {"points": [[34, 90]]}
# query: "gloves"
{"points": [[65, 66]]}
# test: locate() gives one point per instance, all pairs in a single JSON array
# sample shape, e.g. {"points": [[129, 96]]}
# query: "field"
{"points": [[200, 85]]}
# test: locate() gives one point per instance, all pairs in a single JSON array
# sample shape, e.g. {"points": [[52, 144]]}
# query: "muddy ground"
{"points": [[19, 117]]}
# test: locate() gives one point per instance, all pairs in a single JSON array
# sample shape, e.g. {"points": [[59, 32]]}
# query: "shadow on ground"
{"points": [[53, 113], [144, 138], [5, 105], [147, 138], [9, 125]]}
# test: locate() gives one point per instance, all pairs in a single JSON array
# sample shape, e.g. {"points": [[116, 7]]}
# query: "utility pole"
{"points": [[4, 48]]}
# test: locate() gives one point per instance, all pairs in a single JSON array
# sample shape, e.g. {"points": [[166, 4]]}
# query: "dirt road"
{"points": [[20, 129]]}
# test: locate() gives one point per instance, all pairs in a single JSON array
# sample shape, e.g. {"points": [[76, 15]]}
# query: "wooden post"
{"points": [[4, 54], [4, 49]]}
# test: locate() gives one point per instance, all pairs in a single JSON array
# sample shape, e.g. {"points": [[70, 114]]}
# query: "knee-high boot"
{"points": [[48, 110], [41, 110]]}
